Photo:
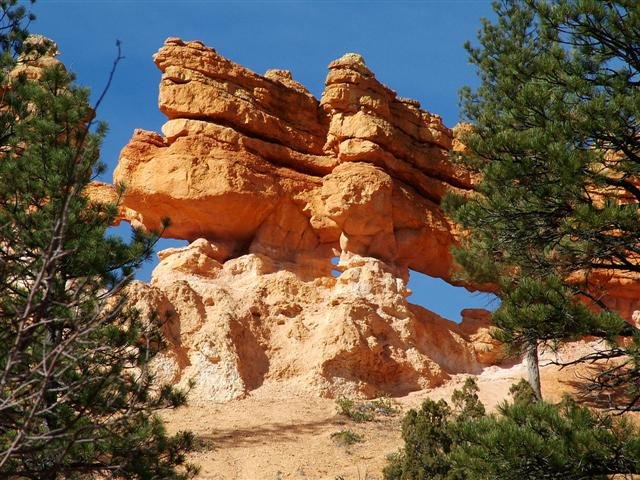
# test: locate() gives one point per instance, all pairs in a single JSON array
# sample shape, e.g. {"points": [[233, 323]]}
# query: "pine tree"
{"points": [[555, 140], [429, 437], [556, 137], [535, 439], [76, 395], [525, 439]]}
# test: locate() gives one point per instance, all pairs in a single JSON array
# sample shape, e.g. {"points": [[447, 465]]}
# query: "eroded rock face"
{"points": [[235, 325], [269, 185]]}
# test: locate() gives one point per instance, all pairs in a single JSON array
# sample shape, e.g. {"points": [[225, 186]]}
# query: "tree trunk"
{"points": [[533, 369]]}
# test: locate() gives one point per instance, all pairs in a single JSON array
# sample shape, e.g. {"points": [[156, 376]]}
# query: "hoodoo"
{"points": [[304, 217]]}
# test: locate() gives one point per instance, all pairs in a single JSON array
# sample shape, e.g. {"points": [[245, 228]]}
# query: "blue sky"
{"points": [[413, 46]]}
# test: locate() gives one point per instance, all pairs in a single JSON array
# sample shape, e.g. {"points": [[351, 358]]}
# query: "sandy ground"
{"points": [[276, 434]]}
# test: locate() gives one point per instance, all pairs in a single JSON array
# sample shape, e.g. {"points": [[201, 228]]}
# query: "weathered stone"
{"points": [[269, 185], [258, 162], [233, 326]]}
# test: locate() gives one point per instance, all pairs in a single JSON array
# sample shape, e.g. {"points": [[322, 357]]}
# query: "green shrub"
{"points": [[384, 406], [366, 411], [427, 444], [526, 439], [346, 437], [353, 410]]}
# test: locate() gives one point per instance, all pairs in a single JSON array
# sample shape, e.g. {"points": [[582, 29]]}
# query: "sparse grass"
{"points": [[346, 437], [366, 411], [353, 410], [203, 444], [366, 476], [385, 406]]}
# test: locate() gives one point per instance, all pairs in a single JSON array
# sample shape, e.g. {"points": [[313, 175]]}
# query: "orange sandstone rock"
{"points": [[269, 184], [257, 162], [234, 326]]}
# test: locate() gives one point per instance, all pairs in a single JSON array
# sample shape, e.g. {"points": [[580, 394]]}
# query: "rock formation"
{"points": [[304, 218], [231, 326], [259, 164]]}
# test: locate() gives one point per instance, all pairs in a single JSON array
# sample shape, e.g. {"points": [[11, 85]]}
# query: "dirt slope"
{"points": [[275, 435]]}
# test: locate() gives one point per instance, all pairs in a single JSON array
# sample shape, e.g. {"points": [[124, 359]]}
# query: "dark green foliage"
{"points": [[429, 436], [526, 439], [427, 444], [534, 440], [76, 396], [14, 20], [557, 140], [466, 403], [522, 392]]}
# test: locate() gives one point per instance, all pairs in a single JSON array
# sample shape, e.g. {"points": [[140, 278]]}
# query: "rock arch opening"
{"points": [[445, 299], [335, 273]]}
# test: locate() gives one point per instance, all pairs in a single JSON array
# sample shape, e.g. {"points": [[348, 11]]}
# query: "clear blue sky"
{"points": [[414, 47]]}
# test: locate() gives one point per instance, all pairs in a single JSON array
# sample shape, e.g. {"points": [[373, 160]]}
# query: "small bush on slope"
{"points": [[366, 411], [346, 437]]}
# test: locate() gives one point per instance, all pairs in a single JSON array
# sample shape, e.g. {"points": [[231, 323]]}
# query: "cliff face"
{"points": [[303, 218]]}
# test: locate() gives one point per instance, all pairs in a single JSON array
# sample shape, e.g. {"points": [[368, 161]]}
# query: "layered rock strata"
{"points": [[256, 162], [304, 217]]}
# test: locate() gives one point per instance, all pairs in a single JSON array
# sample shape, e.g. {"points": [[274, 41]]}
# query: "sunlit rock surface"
{"points": [[272, 187]]}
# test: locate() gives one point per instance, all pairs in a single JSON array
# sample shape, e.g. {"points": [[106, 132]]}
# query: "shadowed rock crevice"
{"points": [[253, 363]]}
